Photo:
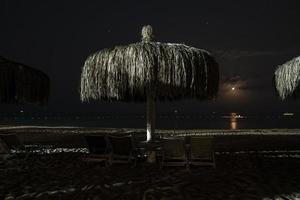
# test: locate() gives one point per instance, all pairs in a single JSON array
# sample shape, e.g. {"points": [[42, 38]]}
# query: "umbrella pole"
{"points": [[150, 117]]}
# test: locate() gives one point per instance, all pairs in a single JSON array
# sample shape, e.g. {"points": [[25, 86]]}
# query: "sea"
{"points": [[230, 121]]}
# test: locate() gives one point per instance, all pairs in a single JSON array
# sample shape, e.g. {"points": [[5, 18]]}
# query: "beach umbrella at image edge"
{"points": [[287, 78], [149, 71], [22, 84]]}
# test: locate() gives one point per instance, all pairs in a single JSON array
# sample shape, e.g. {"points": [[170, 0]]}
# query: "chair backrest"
{"points": [[12, 141], [121, 145], [173, 148], [97, 144], [3, 147], [201, 147]]}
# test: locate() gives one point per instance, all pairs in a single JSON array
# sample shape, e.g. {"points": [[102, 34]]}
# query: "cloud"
{"points": [[231, 80], [241, 83]]}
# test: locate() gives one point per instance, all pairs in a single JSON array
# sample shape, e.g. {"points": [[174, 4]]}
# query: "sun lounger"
{"points": [[174, 152], [14, 146], [98, 148], [123, 150], [4, 150], [201, 151]]}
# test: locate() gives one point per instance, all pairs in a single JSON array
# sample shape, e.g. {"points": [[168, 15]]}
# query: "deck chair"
{"points": [[123, 150], [174, 153], [98, 148], [201, 151], [14, 146], [4, 150]]}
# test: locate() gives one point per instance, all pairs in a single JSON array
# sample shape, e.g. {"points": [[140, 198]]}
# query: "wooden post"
{"points": [[150, 116]]}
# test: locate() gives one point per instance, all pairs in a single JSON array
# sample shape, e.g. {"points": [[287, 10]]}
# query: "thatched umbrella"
{"points": [[287, 78], [149, 71], [20, 83]]}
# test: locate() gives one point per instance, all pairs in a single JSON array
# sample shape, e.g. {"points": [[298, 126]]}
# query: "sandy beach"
{"points": [[257, 166], [237, 176]]}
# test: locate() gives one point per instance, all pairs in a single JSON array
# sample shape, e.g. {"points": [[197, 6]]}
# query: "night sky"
{"points": [[248, 38]]}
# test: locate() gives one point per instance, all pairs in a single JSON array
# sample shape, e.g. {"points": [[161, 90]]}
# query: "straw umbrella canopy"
{"points": [[20, 83], [149, 71], [287, 78]]}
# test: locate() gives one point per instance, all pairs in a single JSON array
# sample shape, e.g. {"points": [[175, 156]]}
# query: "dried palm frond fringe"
{"points": [[170, 71], [20, 83], [287, 78]]}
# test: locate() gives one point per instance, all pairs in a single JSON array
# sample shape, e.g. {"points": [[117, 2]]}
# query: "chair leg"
{"points": [[110, 160], [132, 158], [106, 163], [161, 164], [214, 160], [188, 166], [134, 163], [27, 154]]}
